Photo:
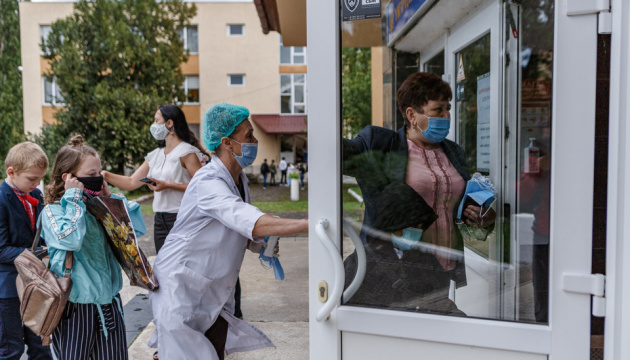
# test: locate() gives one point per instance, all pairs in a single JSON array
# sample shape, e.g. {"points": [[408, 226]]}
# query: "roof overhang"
{"points": [[281, 124], [287, 17]]}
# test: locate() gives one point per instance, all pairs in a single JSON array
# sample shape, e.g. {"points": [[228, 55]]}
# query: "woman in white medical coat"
{"points": [[198, 266]]}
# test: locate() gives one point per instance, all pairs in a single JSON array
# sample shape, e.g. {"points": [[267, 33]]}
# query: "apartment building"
{"points": [[230, 61]]}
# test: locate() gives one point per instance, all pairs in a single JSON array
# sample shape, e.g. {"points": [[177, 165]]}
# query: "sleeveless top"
{"points": [[169, 168]]}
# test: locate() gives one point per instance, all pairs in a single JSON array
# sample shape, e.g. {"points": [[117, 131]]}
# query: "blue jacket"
{"points": [[16, 234], [68, 226]]}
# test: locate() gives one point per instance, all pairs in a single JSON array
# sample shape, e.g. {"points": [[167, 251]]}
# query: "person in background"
{"points": [[290, 170], [94, 305], [169, 168], [273, 169], [412, 181], [20, 205], [198, 266], [302, 169], [264, 170], [283, 171]]}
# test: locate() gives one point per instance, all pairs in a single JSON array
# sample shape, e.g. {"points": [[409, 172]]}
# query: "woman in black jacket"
{"points": [[412, 181]]}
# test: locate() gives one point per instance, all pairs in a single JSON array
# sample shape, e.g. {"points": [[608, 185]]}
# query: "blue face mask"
{"points": [[437, 130], [410, 237], [248, 154]]}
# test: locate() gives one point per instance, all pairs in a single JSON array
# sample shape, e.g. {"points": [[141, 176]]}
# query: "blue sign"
{"points": [[399, 12]]}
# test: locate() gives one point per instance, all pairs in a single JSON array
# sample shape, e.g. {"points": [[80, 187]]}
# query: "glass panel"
{"points": [[236, 29], [48, 91], [193, 42], [473, 75], [44, 31], [237, 79], [299, 109], [285, 55], [299, 93], [299, 59], [436, 64], [193, 82], [285, 104], [299, 78], [285, 84], [403, 186], [58, 93]]}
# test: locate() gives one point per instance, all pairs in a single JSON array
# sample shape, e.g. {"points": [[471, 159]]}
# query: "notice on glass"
{"points": [[483, 122], [361, 9]]}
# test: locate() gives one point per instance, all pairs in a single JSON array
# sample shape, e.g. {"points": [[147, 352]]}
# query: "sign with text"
{"points": [[399, 12], [361, 9]]}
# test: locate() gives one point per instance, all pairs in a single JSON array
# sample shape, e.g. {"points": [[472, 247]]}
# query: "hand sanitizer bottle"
{"points": [[532, 153]]}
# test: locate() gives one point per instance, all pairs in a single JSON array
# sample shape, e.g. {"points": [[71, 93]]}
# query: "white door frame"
{"points": [[617, 328], [572, 174]]}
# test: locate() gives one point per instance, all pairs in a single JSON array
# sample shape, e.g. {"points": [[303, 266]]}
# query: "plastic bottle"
{"points": [[532, 154]]}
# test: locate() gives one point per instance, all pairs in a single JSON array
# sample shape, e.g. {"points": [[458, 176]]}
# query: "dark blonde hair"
{"points": [[68, 160], [24, 155]]}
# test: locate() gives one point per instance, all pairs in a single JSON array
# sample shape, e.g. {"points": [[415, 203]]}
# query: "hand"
{"points": [[544, 163], [159, 185], [105, 191], [71, 182], [256, 247], [105, 174], [473, 217]]}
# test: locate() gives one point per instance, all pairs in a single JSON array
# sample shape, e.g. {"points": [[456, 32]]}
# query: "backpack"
{"points": [[43, 295]]}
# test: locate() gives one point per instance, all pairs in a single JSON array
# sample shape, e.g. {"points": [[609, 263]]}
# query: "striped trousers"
{"points": [[81, 335]]}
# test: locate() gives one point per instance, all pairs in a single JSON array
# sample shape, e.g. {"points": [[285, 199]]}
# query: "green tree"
{"points": [[356, 89], [115, 62], [11, 118]]}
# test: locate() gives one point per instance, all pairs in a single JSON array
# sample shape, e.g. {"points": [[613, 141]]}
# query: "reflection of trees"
{"points": [[537, 35], [476, 59], [356, 89]]}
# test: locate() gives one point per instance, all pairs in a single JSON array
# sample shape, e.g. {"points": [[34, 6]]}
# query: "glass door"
{"points": [[396, 268]]}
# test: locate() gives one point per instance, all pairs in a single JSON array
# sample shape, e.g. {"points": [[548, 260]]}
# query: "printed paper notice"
{"points": [[483, 122]]}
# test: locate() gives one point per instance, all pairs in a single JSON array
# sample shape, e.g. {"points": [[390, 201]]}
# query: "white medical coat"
{"points": [[198, 266]]}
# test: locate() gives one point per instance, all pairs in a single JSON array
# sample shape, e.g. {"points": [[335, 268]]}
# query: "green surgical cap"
{"points": [[220, 121]]}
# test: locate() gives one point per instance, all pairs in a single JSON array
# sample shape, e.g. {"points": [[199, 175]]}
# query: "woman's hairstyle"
{"points": [[68, 160], [174, 113], [418, 88]]}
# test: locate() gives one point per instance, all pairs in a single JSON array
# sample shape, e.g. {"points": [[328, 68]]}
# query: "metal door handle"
{"points": [[338, 271], [361, 262]]}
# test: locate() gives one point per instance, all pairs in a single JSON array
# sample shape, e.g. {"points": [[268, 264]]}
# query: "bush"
{"points": [[294, 176]]}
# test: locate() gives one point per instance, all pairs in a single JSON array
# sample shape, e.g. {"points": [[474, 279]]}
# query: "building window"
{"points": [[44, 31], [236, 30], [292, 55], [52, 92], [236, 80], [191, 89], [293, 93], [189, 36]]}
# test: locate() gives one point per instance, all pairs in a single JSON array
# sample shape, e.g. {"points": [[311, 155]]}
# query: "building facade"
{"points": [[230, 61]]}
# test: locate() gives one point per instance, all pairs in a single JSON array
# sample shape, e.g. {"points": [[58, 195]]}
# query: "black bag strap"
{"points": [[69, 258]]}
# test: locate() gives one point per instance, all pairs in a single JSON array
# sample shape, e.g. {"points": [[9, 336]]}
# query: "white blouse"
{"points": [[169, 168]]}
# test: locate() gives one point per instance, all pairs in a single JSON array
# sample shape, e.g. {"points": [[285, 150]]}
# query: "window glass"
{"points": [[192, 89], [58, 93], [44, 31], [293, 94], [48, 91], [285, 55], [234, 29], [235, 80], [192, 41], [452, 227], [436, 64]]}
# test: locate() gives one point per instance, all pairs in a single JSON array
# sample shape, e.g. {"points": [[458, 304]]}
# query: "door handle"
{"points": [[361, 261], [338, 271]]}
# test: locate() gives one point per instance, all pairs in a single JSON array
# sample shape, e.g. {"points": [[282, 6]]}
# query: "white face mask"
{"points": [[159, 131]]}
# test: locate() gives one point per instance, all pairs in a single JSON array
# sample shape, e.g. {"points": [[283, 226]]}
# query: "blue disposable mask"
{"points": [[248, 154], [437, 130]]}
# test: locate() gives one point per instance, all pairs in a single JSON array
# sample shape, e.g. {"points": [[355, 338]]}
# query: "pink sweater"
{"points": [[432, 175]]}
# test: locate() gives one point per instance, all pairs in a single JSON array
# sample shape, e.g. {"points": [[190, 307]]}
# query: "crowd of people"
{"points": [[411, 180]]}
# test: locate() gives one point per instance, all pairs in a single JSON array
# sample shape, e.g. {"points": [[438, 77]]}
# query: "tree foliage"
{"points": [[356, 89], [11, 116], [115, 61]]}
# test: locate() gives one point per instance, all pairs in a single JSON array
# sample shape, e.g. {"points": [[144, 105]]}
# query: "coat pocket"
{"points": [[187, 288]]}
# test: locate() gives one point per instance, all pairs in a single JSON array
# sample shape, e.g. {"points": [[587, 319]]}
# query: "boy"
{"points": [[20, 205]]}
